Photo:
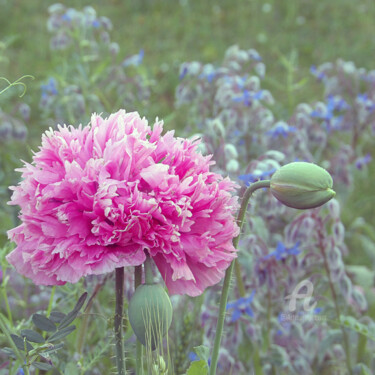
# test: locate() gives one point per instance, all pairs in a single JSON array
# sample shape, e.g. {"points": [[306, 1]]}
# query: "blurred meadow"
{"points": [[151, 41]]}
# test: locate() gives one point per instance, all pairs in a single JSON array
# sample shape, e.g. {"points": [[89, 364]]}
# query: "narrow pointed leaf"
{"points": [[80, 302], [68, 319], [61, 333], [44, 323], [53, 348]]}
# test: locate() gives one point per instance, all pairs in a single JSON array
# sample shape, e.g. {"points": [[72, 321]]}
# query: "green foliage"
{"points": [[198, 368], [21, 347]]}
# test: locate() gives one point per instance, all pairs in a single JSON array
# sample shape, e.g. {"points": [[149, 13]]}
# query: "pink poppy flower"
{"points": [[103, 196]]}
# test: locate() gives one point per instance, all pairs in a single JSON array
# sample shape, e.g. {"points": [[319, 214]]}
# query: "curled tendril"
{"points": [[15, 83]]}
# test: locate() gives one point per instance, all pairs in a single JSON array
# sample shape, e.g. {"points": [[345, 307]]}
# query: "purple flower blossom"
{"points": [[362, 161], [50, 88], [327, 114], [248, 97], [241, 307], [316, 73], [281, 128], [95, 24]]}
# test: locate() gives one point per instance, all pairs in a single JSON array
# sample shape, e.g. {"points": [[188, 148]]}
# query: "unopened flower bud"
{"points": [[150, 314], [302, 185]]}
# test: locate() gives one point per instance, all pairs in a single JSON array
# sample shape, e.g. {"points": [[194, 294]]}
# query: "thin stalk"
{"points": [[49, 309], [119, 342], [5, 296], [5, 329], [335, 301], [148, 271], [228, 274], [50, 303], [139, 346], [239, 282], [84, 325]]}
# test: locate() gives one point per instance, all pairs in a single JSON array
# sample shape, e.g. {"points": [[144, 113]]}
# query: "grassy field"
{"points": [[171, 32]]}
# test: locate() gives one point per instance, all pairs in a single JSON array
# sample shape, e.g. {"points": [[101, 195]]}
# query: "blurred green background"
{"points": [[172, 31]]}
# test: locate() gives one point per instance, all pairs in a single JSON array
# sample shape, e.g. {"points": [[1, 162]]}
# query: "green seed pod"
{"points": [[150, 314], [302, 185]]}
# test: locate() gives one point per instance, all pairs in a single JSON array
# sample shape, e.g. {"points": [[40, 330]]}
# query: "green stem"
{"points": [[148, 271], [49, 309], [228, 274], [139, 346], [240, 286], [335, 301], [9, 311], [5, 329], [119, 342]]}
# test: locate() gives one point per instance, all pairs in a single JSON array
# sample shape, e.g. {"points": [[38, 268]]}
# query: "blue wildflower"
{"points": [[256, 176], [20, 371], [281, 128], [241, 307], [248, 97], [208, 76], [50, 88], [282, 251], [369, 104], [95, 24], [193, 357], [134, 60], [331, 122], [66, 17], [183, 73], [320, 76]]}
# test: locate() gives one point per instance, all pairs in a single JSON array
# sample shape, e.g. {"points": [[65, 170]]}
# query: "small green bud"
{"points": [[302, 185], [150, 314]]}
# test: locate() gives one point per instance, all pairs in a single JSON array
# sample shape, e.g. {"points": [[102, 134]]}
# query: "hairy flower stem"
{"points": [[228, 274], [335, 301], [119, 342], [139, 346]]}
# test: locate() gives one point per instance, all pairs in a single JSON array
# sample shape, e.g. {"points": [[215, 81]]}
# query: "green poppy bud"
{"points": [[150, 314], [302, 185]]}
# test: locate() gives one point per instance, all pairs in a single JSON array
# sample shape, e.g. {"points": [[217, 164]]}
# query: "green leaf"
{"points": [[57, 316], [69, 318], [19, 342], [80, 302], [44, 323], [32, 336], [53, 348], [8, 351], [355, 325], [71, 369], [198, 368], [43, 366], [334, 336], [61, 333], [203, 352]]}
